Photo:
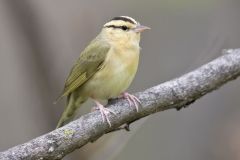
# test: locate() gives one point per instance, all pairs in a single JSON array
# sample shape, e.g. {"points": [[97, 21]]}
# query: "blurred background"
{"points": [[40, 41]]}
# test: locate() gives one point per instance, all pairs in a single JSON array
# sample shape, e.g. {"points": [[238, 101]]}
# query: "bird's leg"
{"points": [[104, 112], [132, 100]]}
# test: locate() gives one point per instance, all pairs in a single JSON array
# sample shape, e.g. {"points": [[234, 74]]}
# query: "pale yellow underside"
{"points": [[116, 75]]}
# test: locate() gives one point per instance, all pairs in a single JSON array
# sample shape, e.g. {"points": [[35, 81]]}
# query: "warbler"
{"points": [[105, 68]]}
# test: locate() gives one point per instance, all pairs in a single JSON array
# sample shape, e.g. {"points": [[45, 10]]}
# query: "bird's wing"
{"points": [[90, 61]]}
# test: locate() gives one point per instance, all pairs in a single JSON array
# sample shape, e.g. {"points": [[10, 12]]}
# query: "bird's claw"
{"points": [[132, 100], [104, 112]]}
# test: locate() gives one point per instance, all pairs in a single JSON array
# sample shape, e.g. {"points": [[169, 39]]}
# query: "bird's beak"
{"points": [[140, 28]]}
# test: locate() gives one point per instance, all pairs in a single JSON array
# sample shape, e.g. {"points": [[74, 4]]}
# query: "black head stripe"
{"points": [[124, 19], [125, 28], [112, 26]]}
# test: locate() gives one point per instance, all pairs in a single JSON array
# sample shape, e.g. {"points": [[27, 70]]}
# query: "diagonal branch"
{"points": [[176, 93]]}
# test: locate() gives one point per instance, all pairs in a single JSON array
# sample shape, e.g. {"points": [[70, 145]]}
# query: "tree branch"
{"points": [[176, 93]]}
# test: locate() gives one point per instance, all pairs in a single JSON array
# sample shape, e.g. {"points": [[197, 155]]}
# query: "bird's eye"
{"points": [[124, 28]]}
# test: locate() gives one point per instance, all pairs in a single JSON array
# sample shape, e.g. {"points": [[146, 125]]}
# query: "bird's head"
{"points": [[123, 30]]}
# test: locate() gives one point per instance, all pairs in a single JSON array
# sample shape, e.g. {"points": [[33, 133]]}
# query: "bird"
{"points": [[104, 69]]}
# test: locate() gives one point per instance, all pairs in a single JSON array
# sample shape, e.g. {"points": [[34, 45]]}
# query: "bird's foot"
{"points": [[104, 112], [132, 100]]}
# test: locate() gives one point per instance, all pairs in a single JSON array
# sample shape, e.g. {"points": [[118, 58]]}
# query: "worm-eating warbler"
{"points": [[105, 68]]}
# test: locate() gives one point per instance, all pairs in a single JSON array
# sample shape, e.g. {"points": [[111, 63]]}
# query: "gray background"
{"points": [[40, 40]]}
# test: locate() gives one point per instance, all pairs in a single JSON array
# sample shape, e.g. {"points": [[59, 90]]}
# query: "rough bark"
{"points": [[177, 93]]}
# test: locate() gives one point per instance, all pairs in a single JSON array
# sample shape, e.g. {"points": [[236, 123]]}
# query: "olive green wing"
{"points": [[90, 61]]}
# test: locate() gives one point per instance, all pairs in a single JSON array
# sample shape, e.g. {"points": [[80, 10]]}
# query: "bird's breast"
{"points": [[116, 75]]}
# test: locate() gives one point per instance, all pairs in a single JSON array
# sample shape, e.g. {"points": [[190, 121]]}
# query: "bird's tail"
{"points": [[70, 110]]}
